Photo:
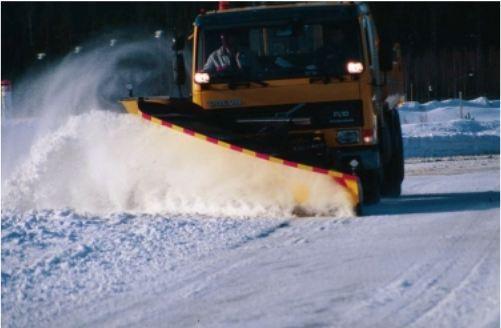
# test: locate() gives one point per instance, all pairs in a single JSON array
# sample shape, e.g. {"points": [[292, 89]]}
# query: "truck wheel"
{"points": [[394, 169], [371, 186]]}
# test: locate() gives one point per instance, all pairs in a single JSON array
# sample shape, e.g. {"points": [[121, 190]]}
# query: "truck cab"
{"points": [[310, 82]]}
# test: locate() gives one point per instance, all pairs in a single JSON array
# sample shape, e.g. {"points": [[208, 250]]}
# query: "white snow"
{"points": [[102, 162], [429, 258], [105, 222], [437, 129]]}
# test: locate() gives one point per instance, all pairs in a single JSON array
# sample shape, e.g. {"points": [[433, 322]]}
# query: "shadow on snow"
{"points": [[435, 203]]}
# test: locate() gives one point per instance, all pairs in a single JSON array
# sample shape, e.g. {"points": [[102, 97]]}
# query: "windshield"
{"points": [[280, 51]]}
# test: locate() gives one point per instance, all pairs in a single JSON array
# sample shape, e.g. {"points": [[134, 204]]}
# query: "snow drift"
{"points": [[436, 128]]}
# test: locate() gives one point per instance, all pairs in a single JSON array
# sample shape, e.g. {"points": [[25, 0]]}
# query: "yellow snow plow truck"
{"points": [[309, 84]]}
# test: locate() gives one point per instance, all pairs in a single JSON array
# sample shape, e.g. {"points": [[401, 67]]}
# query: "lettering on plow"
{"points": [[224, 103]]}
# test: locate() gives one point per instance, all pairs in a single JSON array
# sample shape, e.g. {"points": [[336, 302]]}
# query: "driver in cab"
{"points": [[227, 58]]}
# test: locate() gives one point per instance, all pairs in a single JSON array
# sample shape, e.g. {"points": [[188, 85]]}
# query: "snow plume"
{"points": [[89, 157], [95, 78]]}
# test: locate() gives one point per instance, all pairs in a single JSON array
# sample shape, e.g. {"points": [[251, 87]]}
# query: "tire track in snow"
{"points": [[200, 278], [411, 290], [470, 284]]}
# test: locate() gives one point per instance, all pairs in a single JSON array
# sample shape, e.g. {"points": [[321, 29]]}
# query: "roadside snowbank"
{"points": [[436, 128]]}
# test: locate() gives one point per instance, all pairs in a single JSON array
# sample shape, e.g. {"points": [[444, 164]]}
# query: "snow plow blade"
{"points": [[182, 116]]}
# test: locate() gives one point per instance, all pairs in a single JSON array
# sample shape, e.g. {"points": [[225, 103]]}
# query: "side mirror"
{"points": [[385, 56], [178, 43], [179, 68]]}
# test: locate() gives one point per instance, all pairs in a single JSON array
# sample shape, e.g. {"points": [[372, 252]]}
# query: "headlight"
{"points": [[354, 67], [201, 78], [348, 137]]}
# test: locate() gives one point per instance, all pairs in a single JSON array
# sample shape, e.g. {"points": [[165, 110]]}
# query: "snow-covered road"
{"points": [[429, 258], [145, 257]]}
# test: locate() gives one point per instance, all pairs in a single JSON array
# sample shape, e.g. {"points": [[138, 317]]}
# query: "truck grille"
{"points": [[335, 114], [306, 117]]}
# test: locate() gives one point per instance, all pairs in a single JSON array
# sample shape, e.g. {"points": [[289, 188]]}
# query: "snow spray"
{"points": [[83, 153]]}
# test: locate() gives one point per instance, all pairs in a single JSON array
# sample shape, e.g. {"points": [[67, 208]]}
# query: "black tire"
{"points": [[394, 169], [371, 186]]}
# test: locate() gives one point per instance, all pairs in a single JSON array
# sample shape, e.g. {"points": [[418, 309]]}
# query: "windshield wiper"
{"points": [[246, 83], [326, 76]]}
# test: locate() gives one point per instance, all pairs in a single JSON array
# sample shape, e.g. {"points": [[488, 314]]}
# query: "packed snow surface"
{"points": [[429, 258]]}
